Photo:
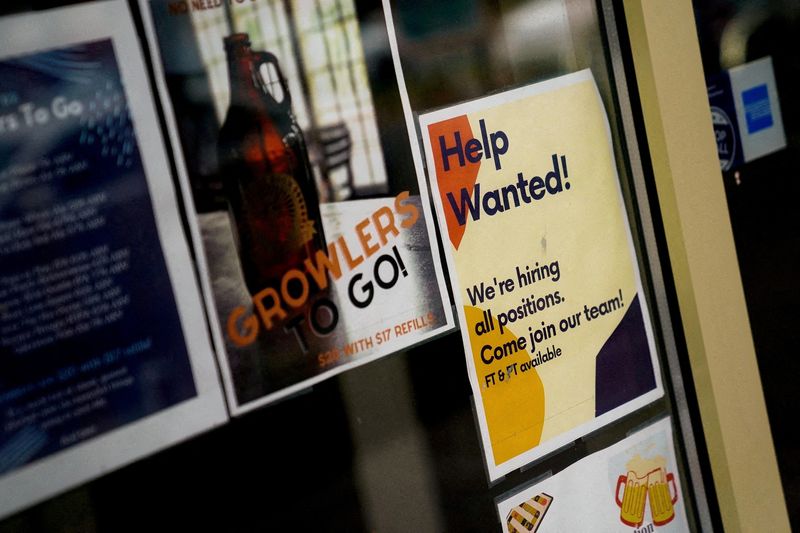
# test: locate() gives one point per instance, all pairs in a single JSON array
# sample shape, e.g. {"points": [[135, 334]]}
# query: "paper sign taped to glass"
{"points": [[556, 331], [317, 247], [746, 113], [104, 355], [631, 486]]}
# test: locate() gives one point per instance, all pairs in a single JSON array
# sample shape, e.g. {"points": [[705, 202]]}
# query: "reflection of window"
{"points": [[337, 75], [328, 81], [210, 28], [267, 24]]}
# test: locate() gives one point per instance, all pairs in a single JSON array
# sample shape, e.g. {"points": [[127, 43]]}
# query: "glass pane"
{"points": [[392, 445], [737, 39]]}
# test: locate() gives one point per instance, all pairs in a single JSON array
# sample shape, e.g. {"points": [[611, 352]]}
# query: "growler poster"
{"points": [[556, 330], [316, 239], [630, 487], [103, 352]]}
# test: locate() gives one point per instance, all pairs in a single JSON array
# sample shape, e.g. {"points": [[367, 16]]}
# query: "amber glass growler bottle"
{"points": [[264, 165]]}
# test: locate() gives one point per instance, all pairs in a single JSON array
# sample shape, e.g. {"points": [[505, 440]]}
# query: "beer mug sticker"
{"points": [[316, 254], [646, 481], [632, 486]]}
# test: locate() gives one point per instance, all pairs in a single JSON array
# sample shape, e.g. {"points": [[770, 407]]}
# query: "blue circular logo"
{"points": [[725, 137]]}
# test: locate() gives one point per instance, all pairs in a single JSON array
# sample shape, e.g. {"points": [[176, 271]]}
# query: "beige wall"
{"points": [[711, 299]]}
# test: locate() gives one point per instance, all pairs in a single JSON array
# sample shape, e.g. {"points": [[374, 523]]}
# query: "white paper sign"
{"points": [[758, 110], [630, 487]]}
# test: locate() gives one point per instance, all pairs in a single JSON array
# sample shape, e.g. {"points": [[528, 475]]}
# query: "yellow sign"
{"points": [[554, 322]]}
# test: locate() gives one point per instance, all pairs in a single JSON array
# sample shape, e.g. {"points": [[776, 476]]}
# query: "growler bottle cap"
{"points": [[236, 40]]}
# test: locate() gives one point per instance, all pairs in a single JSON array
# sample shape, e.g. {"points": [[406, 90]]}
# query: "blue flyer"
{"points": [[104, 355], [91, 337]]}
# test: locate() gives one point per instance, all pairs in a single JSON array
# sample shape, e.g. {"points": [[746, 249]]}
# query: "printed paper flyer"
{"points": [[316, 237], [94, 334], [556, 332], [630, 487]]}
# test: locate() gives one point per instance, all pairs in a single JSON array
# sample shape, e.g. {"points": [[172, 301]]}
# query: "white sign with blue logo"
{"points": [[746, 113], [758, 111]]}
